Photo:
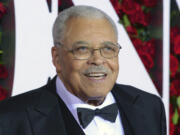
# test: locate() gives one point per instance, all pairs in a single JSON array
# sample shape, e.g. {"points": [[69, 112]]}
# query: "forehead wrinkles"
{"points": [[80, 27]]}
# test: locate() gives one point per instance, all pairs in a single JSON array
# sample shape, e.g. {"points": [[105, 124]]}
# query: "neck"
{"points": [[95, 102]]}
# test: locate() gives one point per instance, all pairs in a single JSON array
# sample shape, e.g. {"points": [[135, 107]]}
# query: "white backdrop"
{"points": [[34, 41], [33, 62]]}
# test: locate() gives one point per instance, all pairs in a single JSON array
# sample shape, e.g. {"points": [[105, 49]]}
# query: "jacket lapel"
{"points": [[131, 111], [51, 116], [48, 116], [45, 117], [71, 125]]}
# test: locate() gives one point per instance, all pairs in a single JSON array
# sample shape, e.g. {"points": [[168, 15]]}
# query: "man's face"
{"points": [[90, 79]]}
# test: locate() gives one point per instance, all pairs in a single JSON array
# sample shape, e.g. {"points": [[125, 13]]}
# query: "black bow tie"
{"points": [[86, 115]]}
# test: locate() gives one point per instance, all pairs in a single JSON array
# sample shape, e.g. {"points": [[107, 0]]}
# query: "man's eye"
{"points": [[81, 49], [108, 48]]}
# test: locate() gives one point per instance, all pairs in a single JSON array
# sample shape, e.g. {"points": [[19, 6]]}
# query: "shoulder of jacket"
{"points": [[21, 101], [131, 90]]}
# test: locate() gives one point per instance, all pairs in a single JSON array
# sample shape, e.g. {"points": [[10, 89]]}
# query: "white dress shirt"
{"points": [[98, 126]]}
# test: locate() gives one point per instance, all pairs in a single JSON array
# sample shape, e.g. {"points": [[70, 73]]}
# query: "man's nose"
{"points": [[96, 58]]}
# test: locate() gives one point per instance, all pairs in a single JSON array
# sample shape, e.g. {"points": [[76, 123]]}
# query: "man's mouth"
{"points": [[96, 76]]}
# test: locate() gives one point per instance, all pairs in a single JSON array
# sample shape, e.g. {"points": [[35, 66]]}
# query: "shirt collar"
{"points": [[72, 101]]}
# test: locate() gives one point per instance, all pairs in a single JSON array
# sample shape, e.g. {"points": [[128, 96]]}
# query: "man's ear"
{"points": [[56, 58]]}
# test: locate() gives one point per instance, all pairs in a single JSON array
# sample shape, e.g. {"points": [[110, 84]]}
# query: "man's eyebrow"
{"points": [[108, 43], [81, 42]]}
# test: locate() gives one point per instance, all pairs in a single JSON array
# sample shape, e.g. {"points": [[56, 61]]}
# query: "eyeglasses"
{"points": [[82, 50]]}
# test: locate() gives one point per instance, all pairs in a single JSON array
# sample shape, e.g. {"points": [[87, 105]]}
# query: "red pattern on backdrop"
{"points": [[3, 93], [62, 4], [136, 16], [2, 10], [175, 80], [3, 70], [174, 70]]}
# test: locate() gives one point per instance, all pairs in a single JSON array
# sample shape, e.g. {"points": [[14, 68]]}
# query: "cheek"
{"points": [[73, 67], [76, 66], [114, 65]]}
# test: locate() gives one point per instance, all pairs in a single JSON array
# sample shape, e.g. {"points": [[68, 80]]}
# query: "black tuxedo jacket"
{"points": [[42, 112]]}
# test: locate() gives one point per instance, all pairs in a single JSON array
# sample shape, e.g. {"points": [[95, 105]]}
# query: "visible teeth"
{"points": [[95, 74]]}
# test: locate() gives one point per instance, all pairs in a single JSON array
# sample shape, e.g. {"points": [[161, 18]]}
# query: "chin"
{"points": [[95, 100], [94, 93], [96, 96]]}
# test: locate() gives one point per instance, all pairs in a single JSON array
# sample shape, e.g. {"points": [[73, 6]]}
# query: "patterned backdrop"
{"points": [[139, 18]]}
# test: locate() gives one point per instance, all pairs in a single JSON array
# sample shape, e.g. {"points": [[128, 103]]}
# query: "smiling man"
{"points": [[84, 98], [86, 58]]}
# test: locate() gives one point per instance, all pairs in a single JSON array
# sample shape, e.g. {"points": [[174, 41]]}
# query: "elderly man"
{"points": [[83, 98]]}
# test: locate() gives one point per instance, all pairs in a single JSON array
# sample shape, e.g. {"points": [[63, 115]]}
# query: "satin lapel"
{"points": [[45, 117], [72, 126], [131, 110]]}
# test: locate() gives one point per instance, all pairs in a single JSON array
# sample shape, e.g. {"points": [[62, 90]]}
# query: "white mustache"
{"points": [[97, 69]]}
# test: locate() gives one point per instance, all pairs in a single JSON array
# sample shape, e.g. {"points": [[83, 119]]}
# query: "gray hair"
{"points": [[77, 11]]}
